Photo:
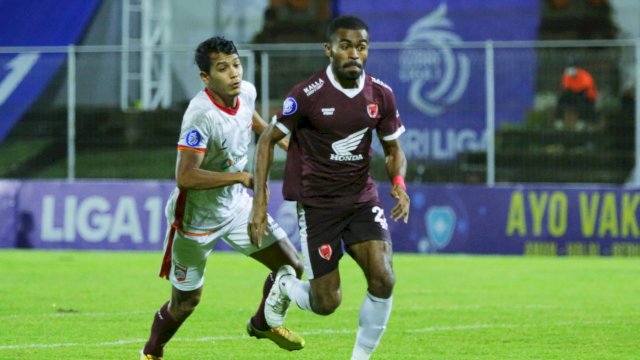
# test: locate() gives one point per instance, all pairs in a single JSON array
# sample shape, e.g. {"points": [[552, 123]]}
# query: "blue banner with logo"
{"points": [[515, 220], [23, 76], [439, 80]]}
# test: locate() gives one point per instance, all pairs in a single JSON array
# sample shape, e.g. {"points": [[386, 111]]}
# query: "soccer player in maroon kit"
{"points": [[331, 118]]}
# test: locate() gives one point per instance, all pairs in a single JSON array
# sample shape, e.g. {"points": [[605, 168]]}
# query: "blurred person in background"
{"points": [[211, 202], [576, 108], [331, 118]]}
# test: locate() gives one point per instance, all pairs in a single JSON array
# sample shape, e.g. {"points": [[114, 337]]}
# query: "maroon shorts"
{"points": [[325, 232]]}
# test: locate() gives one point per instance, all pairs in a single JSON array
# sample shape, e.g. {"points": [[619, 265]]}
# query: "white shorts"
{"points": [[189, 253]]}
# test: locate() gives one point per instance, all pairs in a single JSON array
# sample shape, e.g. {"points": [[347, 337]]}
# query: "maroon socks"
{"points": [[163, 328]]}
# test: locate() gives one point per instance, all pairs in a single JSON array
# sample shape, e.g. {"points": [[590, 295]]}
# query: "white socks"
{"points": [[297, 291], [374, 314]]}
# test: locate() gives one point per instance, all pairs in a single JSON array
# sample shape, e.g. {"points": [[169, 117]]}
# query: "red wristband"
{"points": [[399, 180]]}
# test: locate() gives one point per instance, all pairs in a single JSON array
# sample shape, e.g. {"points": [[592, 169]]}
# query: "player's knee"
{"points": [[192, 302], [326, 304], [183, 308], [325, 308], [382, 285]]}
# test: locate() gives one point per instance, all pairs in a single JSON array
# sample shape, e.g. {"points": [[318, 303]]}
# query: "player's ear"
{"points": [[327, 49], [204, 77]]}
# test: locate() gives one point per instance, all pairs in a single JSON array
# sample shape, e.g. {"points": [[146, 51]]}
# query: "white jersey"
{"points": [[223, 135]]}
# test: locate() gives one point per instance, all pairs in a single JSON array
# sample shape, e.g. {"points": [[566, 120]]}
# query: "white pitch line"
{"points": [[320, 332], [470, 307], [75, 314], [508, 326], [152, 311]]}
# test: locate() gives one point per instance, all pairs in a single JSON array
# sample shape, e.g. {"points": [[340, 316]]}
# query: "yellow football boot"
{"points": [[282, 336], [149, 357]]}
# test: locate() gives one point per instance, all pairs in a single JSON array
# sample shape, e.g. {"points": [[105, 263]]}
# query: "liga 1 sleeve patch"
{"points": [[193, 138], [289, 106]]}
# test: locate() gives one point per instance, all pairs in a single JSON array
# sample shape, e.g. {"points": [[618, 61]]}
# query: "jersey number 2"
{"points": [[380, 216]]}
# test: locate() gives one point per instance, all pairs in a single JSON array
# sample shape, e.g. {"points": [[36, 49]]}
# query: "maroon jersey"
{"points": [[331, 132]]}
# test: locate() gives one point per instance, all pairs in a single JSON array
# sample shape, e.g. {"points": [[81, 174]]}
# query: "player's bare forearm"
{"points": [[263, 160], [190, 176], [258, 125], [396, 166], [284, 144], [198, 179], [262, 165], [396, 162]]}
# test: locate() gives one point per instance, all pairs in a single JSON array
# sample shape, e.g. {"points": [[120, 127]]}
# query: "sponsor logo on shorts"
{"points": [[180, 272], [289, 106], [325, 251], [193, 138]]}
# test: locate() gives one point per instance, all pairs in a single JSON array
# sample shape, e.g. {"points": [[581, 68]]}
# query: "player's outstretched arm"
{"points": [[262, 161], [396, 164], [190, 176], [258, 125]]}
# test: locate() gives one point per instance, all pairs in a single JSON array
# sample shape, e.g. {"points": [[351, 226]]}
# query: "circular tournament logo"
{"points": [[289, 106], [193, 138], [438, 75]]}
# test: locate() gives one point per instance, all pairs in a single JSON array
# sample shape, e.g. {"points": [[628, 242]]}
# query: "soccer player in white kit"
{"points": [[211, 202]]}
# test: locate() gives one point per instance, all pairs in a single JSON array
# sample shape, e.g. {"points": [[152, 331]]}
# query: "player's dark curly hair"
{"points": [[217, 44], [345, 22]]}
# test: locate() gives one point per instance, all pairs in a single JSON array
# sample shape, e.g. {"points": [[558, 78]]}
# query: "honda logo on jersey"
{"points": [[344, 147], [372, 109], [325, 251]]}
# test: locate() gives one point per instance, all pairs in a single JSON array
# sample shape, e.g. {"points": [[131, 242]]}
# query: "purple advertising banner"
{"points": [[95, 214], [530, 220], [9, 213], [516, 220]]}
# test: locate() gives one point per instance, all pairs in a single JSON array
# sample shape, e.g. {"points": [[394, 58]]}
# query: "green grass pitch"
{"points": [[99, 305]]}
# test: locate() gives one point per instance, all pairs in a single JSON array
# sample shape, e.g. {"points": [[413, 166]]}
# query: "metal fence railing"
{"points": [[484, 112]]}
